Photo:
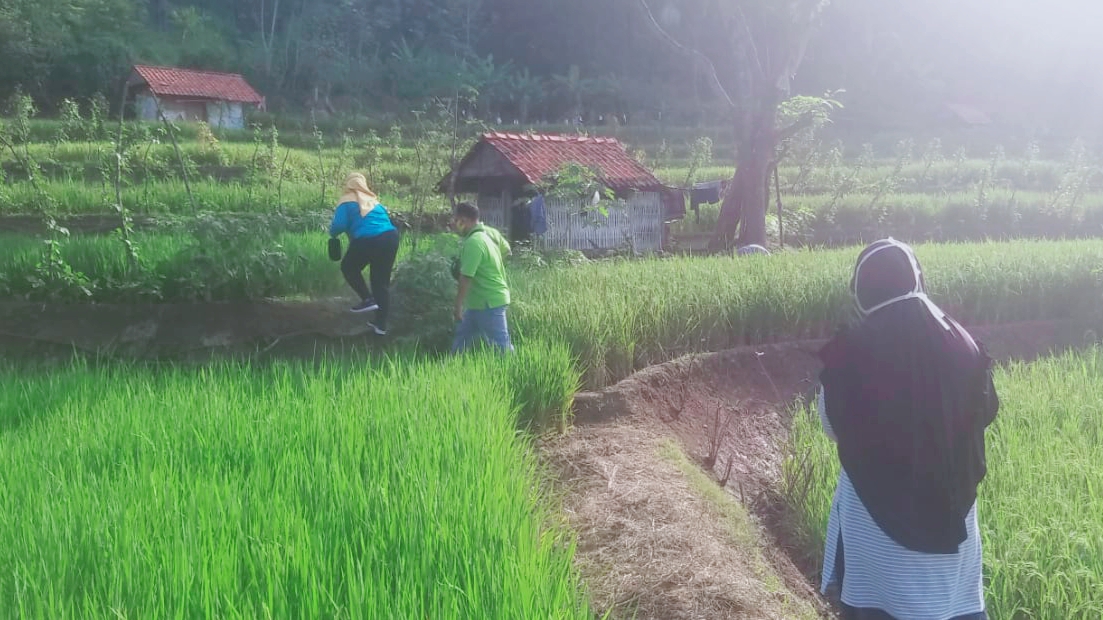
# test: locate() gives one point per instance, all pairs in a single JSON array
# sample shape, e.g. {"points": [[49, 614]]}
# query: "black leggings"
{"points": [[379, 253]]}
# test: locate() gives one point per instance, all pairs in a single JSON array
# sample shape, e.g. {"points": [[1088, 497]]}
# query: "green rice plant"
{"points": [[1029, 173], [287, 491], [183, 267], [615, 316], [815, 220], [545, 378], [170, 197], [173, 274], [809, 474], [619, 316], [915, 177], [1040, 507], [152, 161], [294, 131]]}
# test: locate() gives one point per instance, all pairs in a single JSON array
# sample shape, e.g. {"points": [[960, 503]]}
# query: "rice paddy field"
{"points": [[410, 487], [624, 315], [1040, 507], [617, 316], [229, 265], [834, 193], [302, 491], [287, 491], [170, 197]]}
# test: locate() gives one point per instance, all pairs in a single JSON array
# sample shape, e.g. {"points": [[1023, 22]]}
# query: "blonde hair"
{"points": [[356, 190]]}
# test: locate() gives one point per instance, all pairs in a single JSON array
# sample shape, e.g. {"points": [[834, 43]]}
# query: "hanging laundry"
{"points": [[538, 216], [706, 193]]}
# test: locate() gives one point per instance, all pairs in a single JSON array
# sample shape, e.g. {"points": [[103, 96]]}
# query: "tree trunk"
{"points": [[161, 14], [745, 201]]}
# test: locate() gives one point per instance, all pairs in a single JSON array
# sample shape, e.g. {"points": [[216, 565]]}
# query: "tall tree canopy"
{"points": [[1024, 62]]}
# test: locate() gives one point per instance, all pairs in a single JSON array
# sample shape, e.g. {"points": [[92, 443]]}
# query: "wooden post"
{"points": [[453, 162], [179, 155], [507, 201], [780, 221], [125, 224]]}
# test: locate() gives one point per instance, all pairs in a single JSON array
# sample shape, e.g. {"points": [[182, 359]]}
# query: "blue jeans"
{"points": [[487, 326]]}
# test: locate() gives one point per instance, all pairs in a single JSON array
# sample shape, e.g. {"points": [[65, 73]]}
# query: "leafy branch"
{"points": [[573, 181]]}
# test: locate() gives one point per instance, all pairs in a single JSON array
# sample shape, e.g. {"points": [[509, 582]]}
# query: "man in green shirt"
{"points": [[483, 293]]}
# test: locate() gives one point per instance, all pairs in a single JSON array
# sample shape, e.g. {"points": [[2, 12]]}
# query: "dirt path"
{"points": [[182, 331], [656, 543], [640, 473]]}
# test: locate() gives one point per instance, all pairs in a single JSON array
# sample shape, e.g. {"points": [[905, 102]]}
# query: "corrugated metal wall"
{"points": [[638, 225], [575, 225], [492, 211]]}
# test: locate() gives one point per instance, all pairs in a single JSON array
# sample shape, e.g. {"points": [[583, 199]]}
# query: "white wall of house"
{"points": [[219, 114], [222, 114], [573, 224], [493, 210], [147, 107], [174, 110]]}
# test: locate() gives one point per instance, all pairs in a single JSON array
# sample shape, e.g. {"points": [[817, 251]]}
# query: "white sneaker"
{"points": [[379, 331], [368, 305]]}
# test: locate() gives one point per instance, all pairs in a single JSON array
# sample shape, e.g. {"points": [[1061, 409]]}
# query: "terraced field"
{"points": [[411, 487]]}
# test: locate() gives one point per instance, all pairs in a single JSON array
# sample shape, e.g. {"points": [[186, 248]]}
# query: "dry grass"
{"points": [[657, 539]]}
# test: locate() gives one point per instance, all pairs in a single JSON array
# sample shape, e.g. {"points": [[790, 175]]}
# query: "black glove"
{"points": [[334, 249]]}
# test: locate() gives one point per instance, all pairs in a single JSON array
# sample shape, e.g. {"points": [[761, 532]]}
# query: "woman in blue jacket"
{"points": [[373, 242]]}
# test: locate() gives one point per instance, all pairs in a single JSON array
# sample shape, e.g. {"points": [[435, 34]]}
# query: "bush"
{"points": [[229, 259], [424, 295]]}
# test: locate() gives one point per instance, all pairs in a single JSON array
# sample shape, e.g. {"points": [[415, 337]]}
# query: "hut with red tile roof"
{"points": [[218, 99], [504, 171]]}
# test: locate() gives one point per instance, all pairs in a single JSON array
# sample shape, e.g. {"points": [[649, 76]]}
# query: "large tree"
{"points": [[57, 48], [751, 49]]}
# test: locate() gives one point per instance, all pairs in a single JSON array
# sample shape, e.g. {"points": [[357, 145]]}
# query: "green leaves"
{"points": [[573, 182]]}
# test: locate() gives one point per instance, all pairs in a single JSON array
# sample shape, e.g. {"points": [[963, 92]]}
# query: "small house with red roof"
{"points": [[504, 172], [218, 99]]}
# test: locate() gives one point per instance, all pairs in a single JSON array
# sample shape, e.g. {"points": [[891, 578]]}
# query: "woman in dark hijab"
{"points": [[907, 395]]}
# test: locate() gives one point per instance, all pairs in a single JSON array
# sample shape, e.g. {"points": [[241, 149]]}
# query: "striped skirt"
{"points": [[878, 574]]}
